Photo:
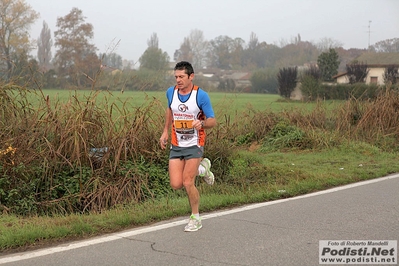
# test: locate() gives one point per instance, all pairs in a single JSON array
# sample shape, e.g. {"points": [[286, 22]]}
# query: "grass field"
{"points": [[294, 160], [224, 103]]}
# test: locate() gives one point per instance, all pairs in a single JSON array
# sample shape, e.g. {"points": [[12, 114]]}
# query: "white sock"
{"points": [[196, 216], [201, 170]]}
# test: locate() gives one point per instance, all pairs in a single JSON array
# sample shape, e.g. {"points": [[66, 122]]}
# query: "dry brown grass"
{"points": [[372, 119], [90, 155], [55, 167]]}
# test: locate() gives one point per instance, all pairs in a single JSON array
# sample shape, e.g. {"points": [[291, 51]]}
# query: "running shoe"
{"points": [[193, 224], [208, 175]]}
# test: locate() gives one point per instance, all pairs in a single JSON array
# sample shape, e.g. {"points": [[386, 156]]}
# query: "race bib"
{"points": [[183, 124]]}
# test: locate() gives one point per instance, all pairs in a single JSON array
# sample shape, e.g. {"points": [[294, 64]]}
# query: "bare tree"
{"points": [[153, 41], [44, 44], [199, 48], [325, 44], [185, 52], [386, 46], [253, 41]]}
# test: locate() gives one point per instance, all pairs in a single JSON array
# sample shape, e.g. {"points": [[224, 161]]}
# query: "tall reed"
{"points": [[94, 151], [77, 155]]}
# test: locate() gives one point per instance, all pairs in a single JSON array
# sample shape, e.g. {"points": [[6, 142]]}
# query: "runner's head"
{"points": [[186, 66]]}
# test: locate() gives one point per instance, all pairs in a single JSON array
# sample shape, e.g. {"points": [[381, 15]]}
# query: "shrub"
{"points": [[287, 80], [90, 154], [311, 88], [283, 135]]}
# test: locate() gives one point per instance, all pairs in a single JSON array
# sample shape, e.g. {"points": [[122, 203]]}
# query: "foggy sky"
{"points": [[132, 22]]}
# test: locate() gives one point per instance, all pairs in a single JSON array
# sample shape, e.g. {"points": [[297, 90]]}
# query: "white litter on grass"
{"points": [[98, 153], [341, 168]]}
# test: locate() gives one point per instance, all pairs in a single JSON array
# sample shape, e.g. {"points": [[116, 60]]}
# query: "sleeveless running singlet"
{"points": [[183, 116]]}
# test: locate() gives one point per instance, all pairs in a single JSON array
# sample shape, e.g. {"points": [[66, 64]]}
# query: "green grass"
{"points": [[254, 176], [294, 173], [223, 103]]}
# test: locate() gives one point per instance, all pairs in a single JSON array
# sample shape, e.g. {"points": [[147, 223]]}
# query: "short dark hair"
{"points": [[184, 65]]}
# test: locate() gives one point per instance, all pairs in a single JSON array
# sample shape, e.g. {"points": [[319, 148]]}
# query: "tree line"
{"points": [[77, 63]]}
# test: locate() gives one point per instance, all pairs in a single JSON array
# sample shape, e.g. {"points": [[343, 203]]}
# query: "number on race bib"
{"points": [[183, 124]]}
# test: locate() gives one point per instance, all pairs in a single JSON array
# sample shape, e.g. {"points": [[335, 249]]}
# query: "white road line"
{"points": [[147, 229]]}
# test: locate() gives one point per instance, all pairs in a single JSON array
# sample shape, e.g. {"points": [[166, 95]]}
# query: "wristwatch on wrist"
{"points": [[202, 124]]}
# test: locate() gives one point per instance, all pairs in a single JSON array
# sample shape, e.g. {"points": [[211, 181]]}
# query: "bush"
{"points": [[311, 88], [47, 158], [287, 80], [264, 81], [283, 135], [88, 155]]}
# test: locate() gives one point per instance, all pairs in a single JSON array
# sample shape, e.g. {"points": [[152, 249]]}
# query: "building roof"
{"points": [[371, 58], [239, 76], [340, 75]]}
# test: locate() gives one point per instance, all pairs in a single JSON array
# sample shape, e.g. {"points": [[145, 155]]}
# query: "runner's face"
{"points": [[183, 81]]}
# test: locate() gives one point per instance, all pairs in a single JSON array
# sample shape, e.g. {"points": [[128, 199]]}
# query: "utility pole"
{"points": [[369, 33]]}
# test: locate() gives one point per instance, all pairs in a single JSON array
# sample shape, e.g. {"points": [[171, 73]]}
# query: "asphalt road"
{"points": [[283, 232]]}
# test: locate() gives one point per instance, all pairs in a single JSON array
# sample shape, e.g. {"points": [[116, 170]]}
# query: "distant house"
{"points": [[377, 63], [241, 79], [214, 76], [211, 75], [375, 74], [341, 78]]}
